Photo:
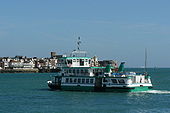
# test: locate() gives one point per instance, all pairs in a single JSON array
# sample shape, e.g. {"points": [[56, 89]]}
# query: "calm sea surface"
{"points": [[29, 93]]}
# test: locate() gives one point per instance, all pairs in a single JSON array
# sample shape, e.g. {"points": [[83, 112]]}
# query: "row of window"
{"points": [[78, 60], [101, 71], [115, 81], [76, 71], [98, 70], [70, 61], [91, 80], [80, 80]]}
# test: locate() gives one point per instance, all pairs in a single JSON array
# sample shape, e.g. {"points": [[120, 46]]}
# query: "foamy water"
{"points": [[157, 91]]}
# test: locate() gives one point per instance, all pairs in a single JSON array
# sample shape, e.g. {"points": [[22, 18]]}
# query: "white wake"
{"points": [[157, 91]]}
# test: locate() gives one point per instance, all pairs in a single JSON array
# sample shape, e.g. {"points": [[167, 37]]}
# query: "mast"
{"points": [[77, 52], [145, 60], [78, 44]]}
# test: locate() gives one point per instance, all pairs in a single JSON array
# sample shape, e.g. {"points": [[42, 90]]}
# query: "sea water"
{"points": [[29, 93]]}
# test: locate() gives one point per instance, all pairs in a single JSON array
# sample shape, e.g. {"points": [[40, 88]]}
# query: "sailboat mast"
{"points": [[145, 60]]}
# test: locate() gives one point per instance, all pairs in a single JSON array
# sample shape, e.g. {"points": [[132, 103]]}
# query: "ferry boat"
{"points": [[80, 73]]}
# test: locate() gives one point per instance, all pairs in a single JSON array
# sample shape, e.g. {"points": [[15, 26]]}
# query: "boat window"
{"points": [[74, 60], [86, 71], [82, 70], [104, 80], [83, 80], [114, 81], [64, 70], [69, 70], [75, 80], [69, 61], [81, 62], [121, 81], [67, 80], [56, 79], [89, 61], [71, 80], [91, 81], [96, 74], [78, 60], [100, 73], [86, 60], [73, 70], [78, 71], [79, 80], [87, 80]]}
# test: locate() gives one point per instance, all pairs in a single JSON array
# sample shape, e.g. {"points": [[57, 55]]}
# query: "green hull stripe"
{"points": [[145, 88], [134, 89], [90, 88]]}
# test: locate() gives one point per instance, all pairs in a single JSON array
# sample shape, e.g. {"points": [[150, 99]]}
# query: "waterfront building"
{"points": [[13, 64], [28, 64]]}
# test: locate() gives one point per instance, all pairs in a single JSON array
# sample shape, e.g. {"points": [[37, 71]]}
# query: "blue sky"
{"points": [[110, 29]]}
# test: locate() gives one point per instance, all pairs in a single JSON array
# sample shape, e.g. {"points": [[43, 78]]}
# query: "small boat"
{"points": [[78, 73]]}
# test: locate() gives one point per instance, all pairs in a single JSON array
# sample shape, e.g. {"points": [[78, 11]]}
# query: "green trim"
{"points": [[97, 67], [133, 89], [144, 88], [121, 67], [108, 68], [107, 89]]}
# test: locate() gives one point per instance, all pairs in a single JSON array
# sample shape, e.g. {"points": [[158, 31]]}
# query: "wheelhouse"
{"points": [[74, 62]]}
